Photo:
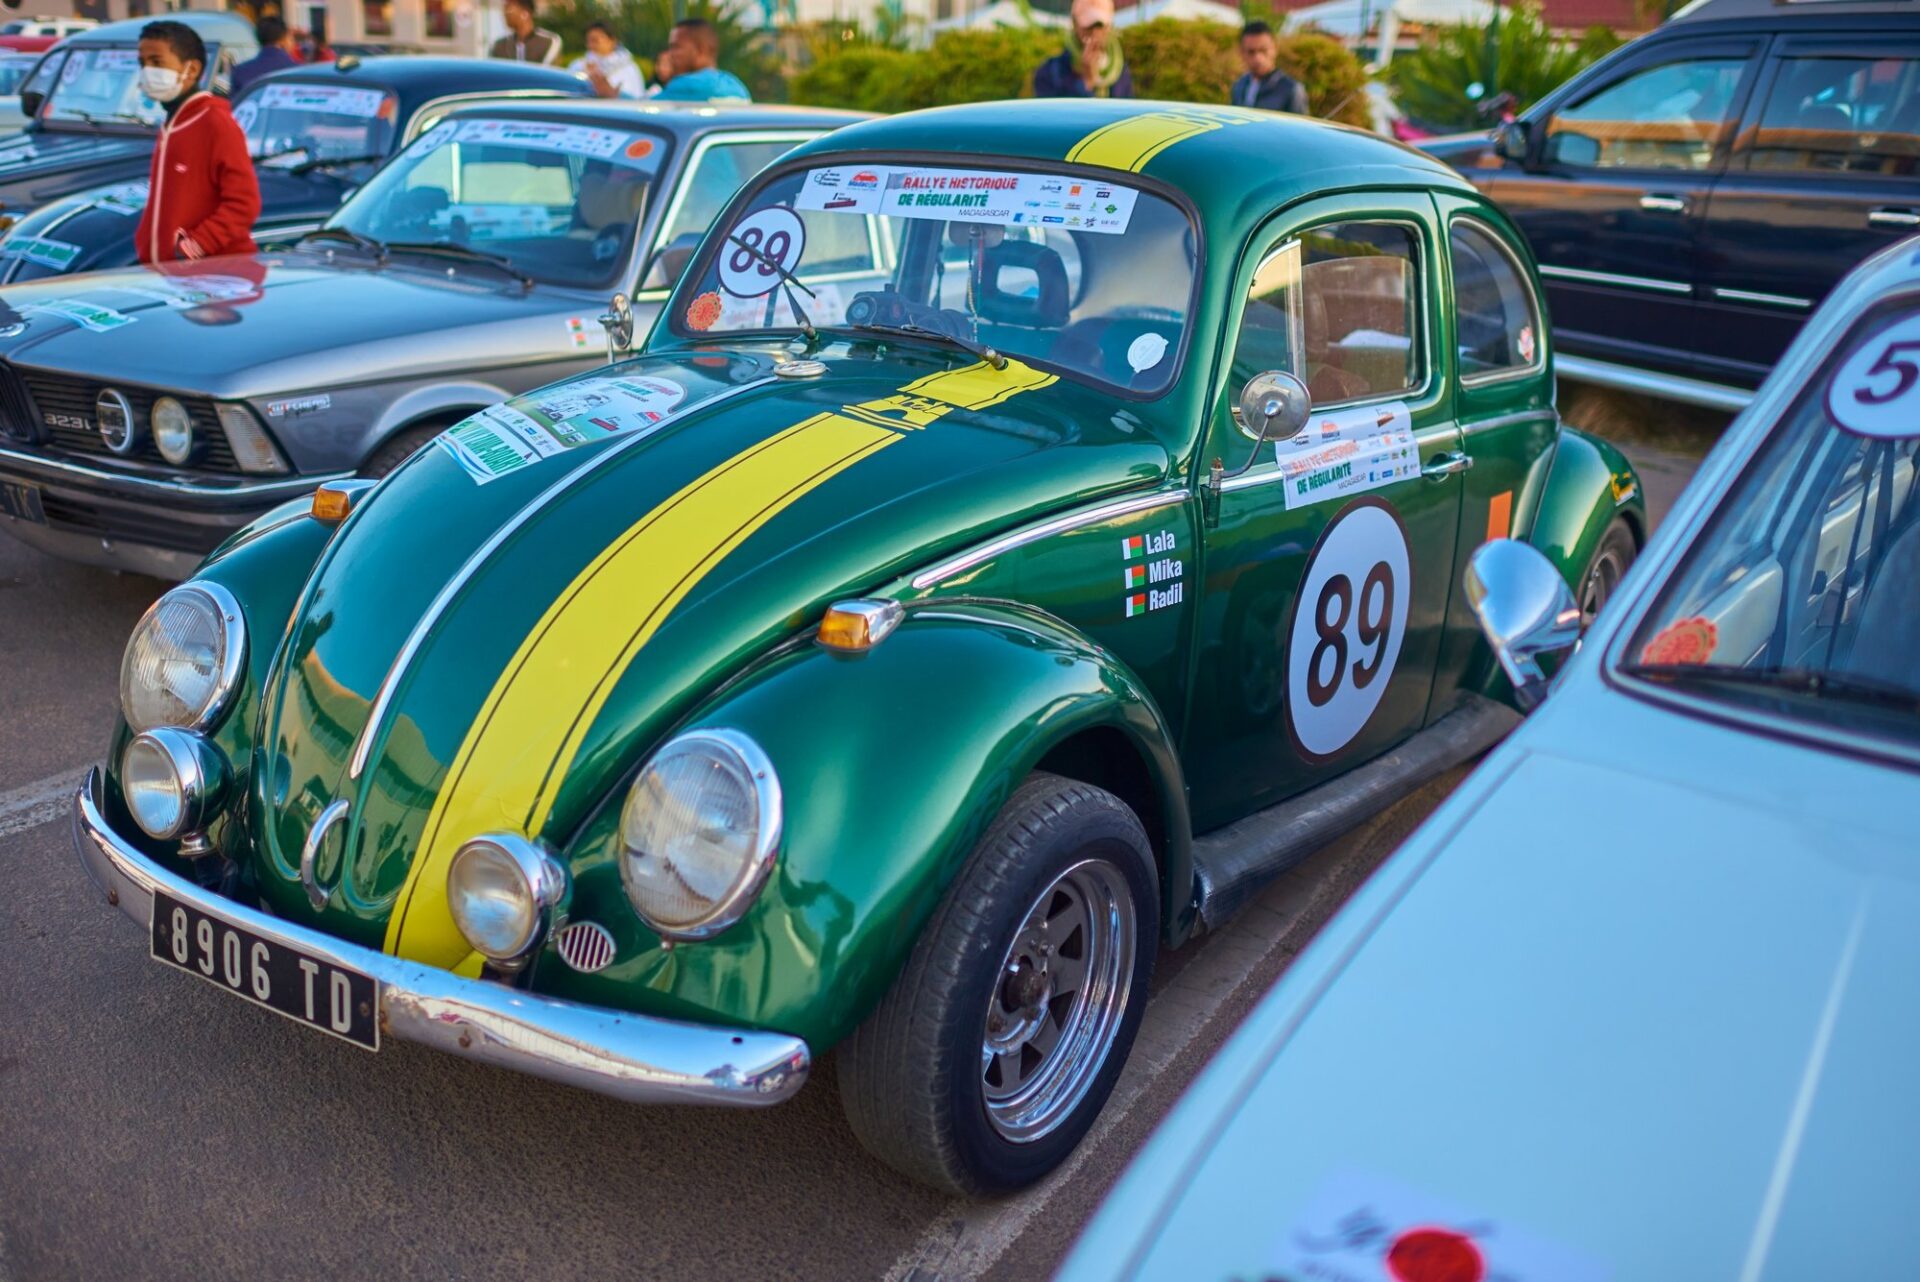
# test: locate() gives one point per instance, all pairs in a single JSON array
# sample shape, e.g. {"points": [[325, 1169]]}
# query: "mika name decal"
{"points": [[1150, 576]]}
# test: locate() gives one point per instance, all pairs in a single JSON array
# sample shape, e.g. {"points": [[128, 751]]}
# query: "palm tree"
{"points": [[1459, 66]]}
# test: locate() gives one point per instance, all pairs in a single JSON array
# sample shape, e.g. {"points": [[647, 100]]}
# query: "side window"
{"points": [[46, 74], [1339, 307], [1672, 116], [1853, 115], [1495, 322]]}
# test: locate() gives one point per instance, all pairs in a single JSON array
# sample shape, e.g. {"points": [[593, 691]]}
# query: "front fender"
{"points": [[1588, 485], [892, 764]]}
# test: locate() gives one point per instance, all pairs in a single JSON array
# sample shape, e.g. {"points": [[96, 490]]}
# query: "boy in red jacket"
{"points": [[203, 195]]}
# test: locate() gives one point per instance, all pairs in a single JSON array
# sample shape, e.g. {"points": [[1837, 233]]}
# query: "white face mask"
{"points": [[160, 83]]}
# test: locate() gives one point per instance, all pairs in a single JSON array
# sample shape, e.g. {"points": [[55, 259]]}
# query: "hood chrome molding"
{"points": [[1059, 525], [430, 618]]}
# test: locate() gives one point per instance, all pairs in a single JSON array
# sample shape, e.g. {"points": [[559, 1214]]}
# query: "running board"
{"points": [[1232, 863], [1668, 387]]}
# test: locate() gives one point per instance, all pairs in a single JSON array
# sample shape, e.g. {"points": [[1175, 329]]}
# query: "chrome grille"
{"points": [[17, 415], [587, 946], [70, 401]]}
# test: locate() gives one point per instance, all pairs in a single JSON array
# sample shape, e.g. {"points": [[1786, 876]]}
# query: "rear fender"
{"points": [[1589, 484], [892, 764]]}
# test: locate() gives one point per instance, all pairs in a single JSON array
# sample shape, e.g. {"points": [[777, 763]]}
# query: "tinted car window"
{"points": [[1497, 326], [1337, 307], [1672, 116], [295, 122], [1857, 115]]}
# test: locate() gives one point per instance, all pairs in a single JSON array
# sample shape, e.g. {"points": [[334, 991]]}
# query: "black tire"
{"points": [[398, 448], [911, 1076], [1605, 569]]}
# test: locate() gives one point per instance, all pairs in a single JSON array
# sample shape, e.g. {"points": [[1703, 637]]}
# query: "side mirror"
{"points": [[1573, 149], [671, 262], [31, 100], [1512, 141], [1525, 608], [1274, 406], [618, 322]]}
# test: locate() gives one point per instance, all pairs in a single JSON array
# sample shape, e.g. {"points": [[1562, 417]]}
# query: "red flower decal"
{"points": [[1682, 641], [703, 313], [1435, 1255]]}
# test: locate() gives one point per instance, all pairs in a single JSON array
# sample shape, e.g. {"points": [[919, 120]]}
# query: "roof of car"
{"points": [[1794, 10], [680, 118], [435, 76], [226, 28], [1201, 150]]}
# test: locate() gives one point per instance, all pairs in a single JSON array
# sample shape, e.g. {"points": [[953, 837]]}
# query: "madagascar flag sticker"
{"points": [[1132, 547], [1136, 604], [1136, 576]]}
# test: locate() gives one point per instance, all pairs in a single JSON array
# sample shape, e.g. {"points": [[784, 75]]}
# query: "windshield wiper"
{"points": [[454, 249], [284, 152], [968, 345], [327, 162], [349, 235], [788, 279], [1843, 687]]}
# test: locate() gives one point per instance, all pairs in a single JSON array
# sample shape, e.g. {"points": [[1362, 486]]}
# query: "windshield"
{"points": [[13, 73], [1087, 275], [291, 124], [1801, 594], [560, 202], [102, 86]]}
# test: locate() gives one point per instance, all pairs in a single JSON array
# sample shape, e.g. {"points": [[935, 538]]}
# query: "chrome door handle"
{"points": [[310, 851], [1663, 204], [1442, 466], [1893, 218]]}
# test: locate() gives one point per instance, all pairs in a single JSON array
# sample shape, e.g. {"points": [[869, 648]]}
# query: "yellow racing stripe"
{"points": [[1131, 143]]}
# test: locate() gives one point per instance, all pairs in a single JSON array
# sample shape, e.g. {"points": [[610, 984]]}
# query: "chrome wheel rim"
{"points": [[1057, 1002], [1602, 579]]}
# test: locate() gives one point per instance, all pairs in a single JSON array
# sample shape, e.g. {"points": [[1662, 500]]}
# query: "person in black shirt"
{"points": [[1265, 85]]}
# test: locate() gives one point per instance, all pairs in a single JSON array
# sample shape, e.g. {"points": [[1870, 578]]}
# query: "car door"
{"points": [[1612, 199], [1825, 172], [1328, 557]]}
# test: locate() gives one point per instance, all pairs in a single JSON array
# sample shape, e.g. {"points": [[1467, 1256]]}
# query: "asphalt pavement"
{"points": [[153, 1127]]}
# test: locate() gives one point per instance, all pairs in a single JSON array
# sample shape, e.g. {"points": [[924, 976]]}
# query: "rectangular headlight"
{"points": [[252, 448]]}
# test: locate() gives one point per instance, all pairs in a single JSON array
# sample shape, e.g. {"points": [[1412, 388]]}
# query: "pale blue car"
{"points": [[1642, 999]]}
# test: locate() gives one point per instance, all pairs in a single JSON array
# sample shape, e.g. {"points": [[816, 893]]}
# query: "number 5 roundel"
{"points": [[1349, 619]]}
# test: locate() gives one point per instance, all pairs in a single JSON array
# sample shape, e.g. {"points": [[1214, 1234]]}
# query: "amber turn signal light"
{"points": [[333, 501], [857, 625]]}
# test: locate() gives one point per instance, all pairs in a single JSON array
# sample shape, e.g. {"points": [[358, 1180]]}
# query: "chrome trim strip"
{"points": [[1755, 296], [1614, 278], [310, 850], [641, 1059], [390, 684], [252, 489], [1467, 429], [1672, 387], [1059, 525], [1271, 472]]}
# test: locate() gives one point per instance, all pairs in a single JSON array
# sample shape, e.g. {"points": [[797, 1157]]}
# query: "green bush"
{"points": [[1526, 60]]}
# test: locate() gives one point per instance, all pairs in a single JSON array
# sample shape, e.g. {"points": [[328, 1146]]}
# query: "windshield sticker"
{"points": [[1146, 351], [761, 247], [979, 196], [1361, 1228], [1348, 452], [332, 100], [75, 68], [57, 254], [506, 438], [704, 312], [115, 60], [84, 314], [1876, 390], [611, 145], [128, 199], [1682, 641]]}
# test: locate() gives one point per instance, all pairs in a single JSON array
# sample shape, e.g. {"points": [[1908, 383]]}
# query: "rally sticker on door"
{"points": [[1348, 452], [1349, 619]]}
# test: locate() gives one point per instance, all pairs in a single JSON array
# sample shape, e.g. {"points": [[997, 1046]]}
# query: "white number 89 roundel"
{"points": [[1348, 622]]}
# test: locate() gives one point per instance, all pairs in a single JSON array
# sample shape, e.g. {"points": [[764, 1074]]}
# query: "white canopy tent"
{"points": [[1201, 10], [1353, 20]]}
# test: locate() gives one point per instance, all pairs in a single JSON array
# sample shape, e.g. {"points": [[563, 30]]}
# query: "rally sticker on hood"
{"points": [[82, 313], [57, 254], [127, 200], [975, 196], [1361, 1228], [185, 292], [506, 438]]}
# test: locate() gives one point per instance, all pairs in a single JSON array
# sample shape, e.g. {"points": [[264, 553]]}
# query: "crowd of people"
{"points": [[1092, 65], [687, 70]]}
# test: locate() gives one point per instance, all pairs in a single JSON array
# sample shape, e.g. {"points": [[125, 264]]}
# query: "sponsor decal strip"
{"points": [[518, 751]]}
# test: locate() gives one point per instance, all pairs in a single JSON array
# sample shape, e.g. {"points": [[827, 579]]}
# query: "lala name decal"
{"points": [[1146, 561]]}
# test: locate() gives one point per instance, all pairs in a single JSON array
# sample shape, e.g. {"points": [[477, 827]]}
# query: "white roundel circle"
{"points": [[1348, 622], [771, 235], [1876, 391]]}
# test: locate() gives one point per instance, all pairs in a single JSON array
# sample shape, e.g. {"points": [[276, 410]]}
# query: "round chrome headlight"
{"points": [[183, 661], [172, 430], [701, 828], [173, 781], [500, 890]]}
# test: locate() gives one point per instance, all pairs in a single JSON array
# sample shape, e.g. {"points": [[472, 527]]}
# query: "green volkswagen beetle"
{"points": [[1029, 528]]}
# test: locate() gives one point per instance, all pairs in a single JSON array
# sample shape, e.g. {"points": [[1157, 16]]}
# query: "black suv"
{"points": [[1694, 195]]}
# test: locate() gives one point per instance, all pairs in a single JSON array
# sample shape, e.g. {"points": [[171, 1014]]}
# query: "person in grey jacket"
{"points": [[1264, 85]]}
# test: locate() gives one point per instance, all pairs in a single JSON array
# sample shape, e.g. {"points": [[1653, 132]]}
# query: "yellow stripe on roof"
{"points": [[1131, 143]]}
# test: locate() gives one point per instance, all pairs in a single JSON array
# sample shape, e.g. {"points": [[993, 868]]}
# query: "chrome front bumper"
{"points": [[637, 1058]]}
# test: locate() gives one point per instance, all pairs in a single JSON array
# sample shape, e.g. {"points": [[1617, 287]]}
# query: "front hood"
{"points": [[44, 164], [260, 325], [626, 576], [1629, 1027]]}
